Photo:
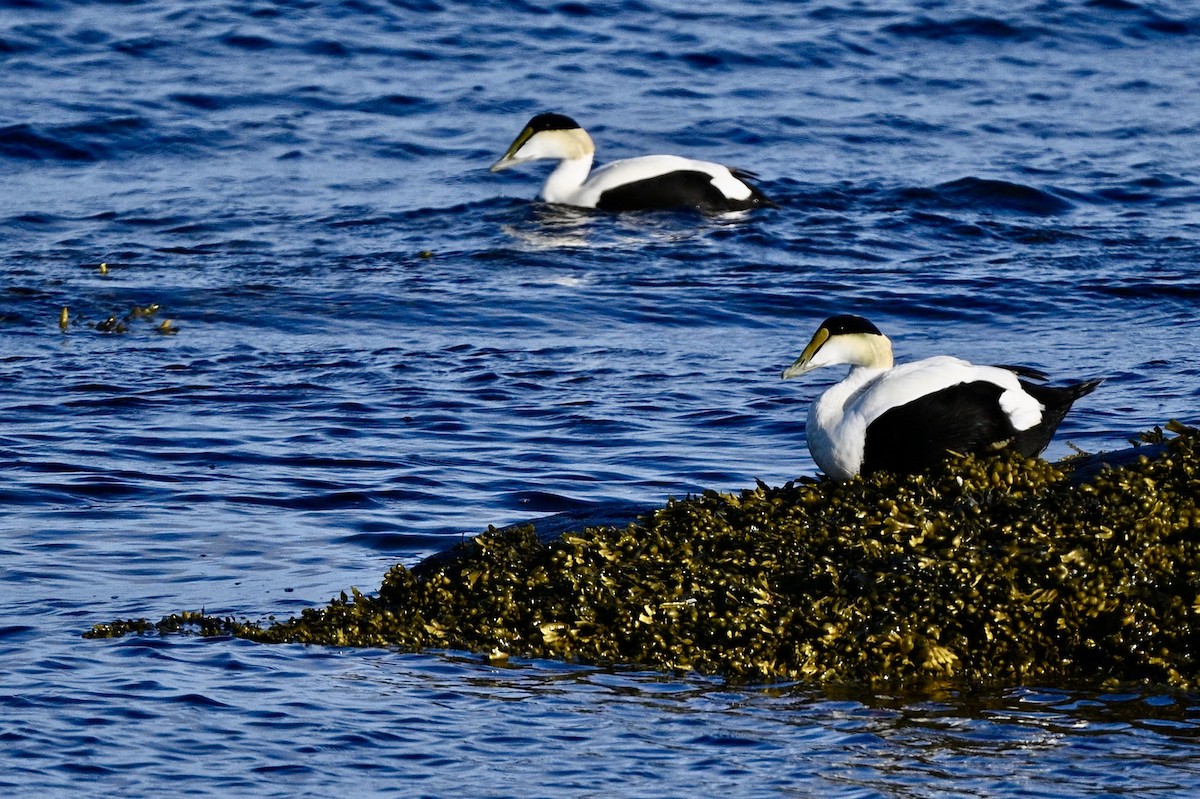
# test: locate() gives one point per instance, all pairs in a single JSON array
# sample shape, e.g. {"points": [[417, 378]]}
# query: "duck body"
{"points": [[643, 183], [663, 182], [906, 418]]}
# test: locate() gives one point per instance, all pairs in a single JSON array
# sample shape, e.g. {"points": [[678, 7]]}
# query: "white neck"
{"points": [[836, 450], [833, 401], [566, 179]]}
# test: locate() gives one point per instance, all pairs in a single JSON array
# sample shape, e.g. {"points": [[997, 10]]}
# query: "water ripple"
{"points": [[380, 347]]}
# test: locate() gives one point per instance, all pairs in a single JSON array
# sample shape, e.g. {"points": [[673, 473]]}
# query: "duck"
{"points": [[906, 418], [631, 184]]}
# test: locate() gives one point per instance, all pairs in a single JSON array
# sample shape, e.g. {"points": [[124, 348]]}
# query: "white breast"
{"points": [[836, 430]]}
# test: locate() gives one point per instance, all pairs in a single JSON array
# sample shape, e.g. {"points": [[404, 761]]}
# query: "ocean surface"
{"points": [[376, 347]]}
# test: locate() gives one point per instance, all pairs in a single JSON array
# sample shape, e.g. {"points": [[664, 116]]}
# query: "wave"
{"points": [[960, 29], [989, 195]]}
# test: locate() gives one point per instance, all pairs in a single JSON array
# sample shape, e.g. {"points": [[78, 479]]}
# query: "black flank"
{"points": [[911, 438], [684, 189], [964, 418]]}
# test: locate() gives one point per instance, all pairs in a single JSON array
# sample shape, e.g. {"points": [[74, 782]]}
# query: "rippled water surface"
{"points": [[381, 347]]}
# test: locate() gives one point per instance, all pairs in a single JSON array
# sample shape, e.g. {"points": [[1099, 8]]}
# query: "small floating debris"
{"points": [[983, 570]]}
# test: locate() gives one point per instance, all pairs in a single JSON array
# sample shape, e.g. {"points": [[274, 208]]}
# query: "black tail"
{"points": [[1056, 401], [757, 198]]}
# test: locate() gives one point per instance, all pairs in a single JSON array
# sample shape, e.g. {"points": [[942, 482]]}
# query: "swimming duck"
{"points": [[905, 418], [645, 182]]}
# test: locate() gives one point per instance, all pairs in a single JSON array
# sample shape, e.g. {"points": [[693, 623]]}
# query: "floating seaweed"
{"points": [[122, 323], [984, 570], [112, 325]]}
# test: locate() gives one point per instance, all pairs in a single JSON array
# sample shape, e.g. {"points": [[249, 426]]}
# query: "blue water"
{"points": [[381, 347]]}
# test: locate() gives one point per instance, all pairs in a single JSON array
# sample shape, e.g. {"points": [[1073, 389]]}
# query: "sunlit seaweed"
{"points": [[984, 571]]}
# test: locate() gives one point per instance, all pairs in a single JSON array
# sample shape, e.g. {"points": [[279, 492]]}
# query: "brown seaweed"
{"points": [[982, 571]]}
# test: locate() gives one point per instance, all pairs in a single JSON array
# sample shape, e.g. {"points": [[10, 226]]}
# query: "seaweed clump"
{"points": [[983, 570]]}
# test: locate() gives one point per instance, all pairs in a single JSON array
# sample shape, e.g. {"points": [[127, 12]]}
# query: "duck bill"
{"points": [[804, 362], [510, 156], [506, 162]]}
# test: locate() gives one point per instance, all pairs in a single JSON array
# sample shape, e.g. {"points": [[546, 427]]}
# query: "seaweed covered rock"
{"points": [[983, 570]]}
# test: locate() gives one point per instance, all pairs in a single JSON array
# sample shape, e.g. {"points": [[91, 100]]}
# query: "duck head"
{"points": [[547, 136], [843, 339]]}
